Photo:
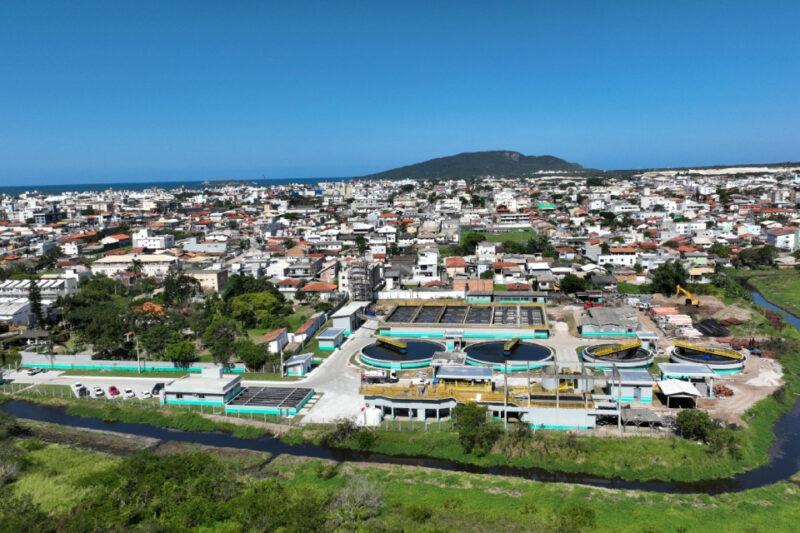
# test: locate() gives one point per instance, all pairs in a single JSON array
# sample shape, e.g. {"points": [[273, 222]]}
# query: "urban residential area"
{"points": [[399, 267]]}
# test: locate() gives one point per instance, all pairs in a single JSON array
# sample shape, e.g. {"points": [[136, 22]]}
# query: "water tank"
{"points": [[369, 417]]}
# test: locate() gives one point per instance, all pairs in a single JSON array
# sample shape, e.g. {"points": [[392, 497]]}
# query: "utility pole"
{"points": [[138, 364], [505, 396]]}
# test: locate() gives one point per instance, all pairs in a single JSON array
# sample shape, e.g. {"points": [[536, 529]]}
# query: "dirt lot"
{"points": [[761, 377], [710, 307]]}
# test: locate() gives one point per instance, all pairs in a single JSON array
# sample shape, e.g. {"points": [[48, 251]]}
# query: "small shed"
{"points": [[298, 365], [330, 339], [211, 387], [630, 385], [676, 389]]}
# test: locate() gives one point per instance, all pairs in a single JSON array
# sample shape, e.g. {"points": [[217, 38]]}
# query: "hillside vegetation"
{"points": [[470, 164]]}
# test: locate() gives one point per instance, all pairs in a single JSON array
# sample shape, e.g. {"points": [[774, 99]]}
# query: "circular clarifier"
{"points": [[416, 354], [630, 358], [521, 356]]}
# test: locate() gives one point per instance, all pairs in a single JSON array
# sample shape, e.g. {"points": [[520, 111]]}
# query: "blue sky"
{"points": [[152, 90]]}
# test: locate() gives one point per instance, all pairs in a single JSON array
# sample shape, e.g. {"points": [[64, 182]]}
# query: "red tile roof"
{"points": [[318, 286]]}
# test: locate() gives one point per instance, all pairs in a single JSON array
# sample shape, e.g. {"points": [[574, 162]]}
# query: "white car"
{"points": [[128, 393], [78, 386], [145, 395], [97, 392]]}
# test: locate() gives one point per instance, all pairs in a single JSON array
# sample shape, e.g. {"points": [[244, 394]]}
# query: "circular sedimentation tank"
{"points": [[636, 357], [711, 356], [521, 356], [415, 354]]}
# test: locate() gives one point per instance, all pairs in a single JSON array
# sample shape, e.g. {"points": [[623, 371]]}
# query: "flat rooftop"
{"points": [[279, 397], [470, 315]]}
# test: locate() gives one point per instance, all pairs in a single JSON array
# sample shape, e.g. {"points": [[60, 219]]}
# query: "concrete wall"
{"points": [[85, 362]]}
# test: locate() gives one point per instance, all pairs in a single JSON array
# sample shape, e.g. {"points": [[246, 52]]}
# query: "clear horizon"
{"points": [[193, 91]]}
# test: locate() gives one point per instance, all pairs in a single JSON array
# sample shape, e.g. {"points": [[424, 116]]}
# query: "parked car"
{"points": [[113, 391], [145, 395], [97, 392], [128, 393], [157, 388]]}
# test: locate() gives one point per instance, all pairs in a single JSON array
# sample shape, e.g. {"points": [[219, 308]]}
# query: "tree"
{"points": [[178, 288], [136, 267], [759, 256], [487, 274], [181, 353], [220, 337], [261, 309], [668, 276], [694, 425], [720, 250], [470, 242], [475, 432], [571, 284], [154, 337], [35, 299], [251, 354], [361, 244], [540, 244], [513, 247]]}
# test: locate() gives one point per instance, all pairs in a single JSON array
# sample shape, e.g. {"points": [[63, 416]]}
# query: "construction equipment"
{"points": [[394, 343], [711, 350], [605, 351], [510, 345], [691, 299]]}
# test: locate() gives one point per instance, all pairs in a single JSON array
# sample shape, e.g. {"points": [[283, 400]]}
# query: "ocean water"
{"points": [[142, 185]]}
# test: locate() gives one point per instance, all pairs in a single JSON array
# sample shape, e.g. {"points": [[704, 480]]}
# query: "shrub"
{"points": [[418, 513], [475, 433], [694, 425], [359, 501]]}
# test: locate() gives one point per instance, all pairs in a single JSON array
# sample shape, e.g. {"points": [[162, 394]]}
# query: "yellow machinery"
{"points": [[690, 298], [394, 343], [721, 352], [510, 345], [605, 351]]}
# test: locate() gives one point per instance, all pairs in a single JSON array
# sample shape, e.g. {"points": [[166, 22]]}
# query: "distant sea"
{"points": [[142, 185]]}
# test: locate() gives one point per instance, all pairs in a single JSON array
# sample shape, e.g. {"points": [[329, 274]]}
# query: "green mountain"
{"points": [[469, 164]]}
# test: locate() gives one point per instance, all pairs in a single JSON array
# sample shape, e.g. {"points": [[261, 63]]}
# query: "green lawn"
{"points": [[521, 236]]}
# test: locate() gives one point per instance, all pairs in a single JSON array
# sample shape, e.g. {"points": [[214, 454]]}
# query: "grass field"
{"points": [[521, 236], [411, 499], [781, 289]]}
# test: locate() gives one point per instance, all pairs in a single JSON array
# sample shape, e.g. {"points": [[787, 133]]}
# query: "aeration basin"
{"points": [[720, 364], [520, 355], [636, 357], [415, 354]]}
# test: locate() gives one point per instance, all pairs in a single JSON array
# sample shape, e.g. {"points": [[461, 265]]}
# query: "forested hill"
{"points": [[469, 164]]}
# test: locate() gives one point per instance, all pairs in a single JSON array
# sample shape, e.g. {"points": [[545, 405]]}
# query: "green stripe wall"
{"points": [[607, 334], [124, 367], [511, 368], [394, 365]]}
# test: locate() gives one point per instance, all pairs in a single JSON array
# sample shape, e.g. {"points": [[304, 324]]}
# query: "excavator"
{"points": [[691, 299]]}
